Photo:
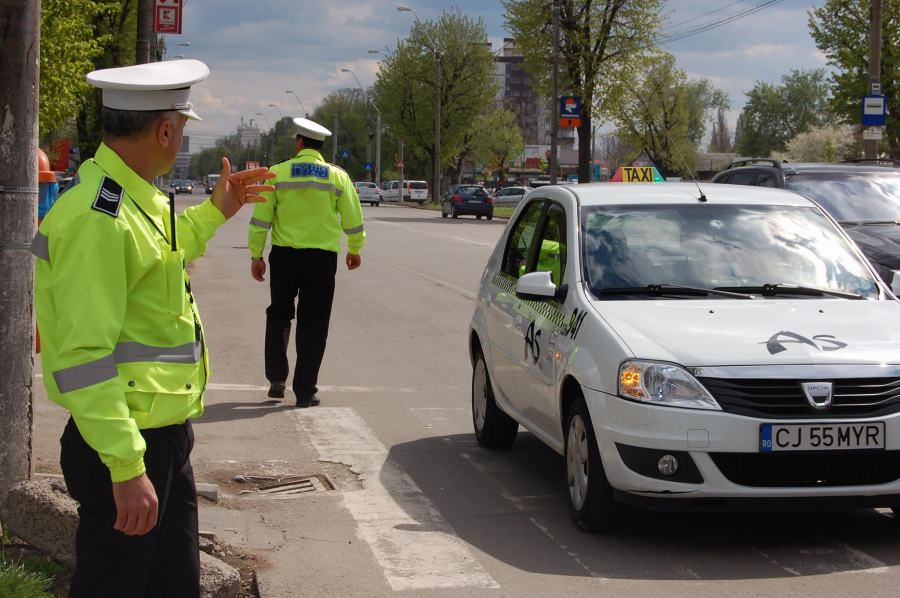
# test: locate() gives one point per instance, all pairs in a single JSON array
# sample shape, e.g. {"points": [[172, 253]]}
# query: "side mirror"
{"points": [[536, 286]]}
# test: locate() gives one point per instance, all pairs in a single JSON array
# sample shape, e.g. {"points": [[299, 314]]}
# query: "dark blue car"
{"points": [[468, 200]]}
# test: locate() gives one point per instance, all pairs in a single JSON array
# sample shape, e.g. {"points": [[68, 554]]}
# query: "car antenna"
{"points": [[702, 197]]}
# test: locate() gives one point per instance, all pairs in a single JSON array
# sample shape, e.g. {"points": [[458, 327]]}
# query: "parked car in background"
{"points": [[389, 191], [368, 193], [862, 195], [471, 200], [184, 187], [418, 191], [510, 196]]}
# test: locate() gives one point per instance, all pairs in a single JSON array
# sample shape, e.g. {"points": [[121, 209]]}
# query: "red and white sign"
{"points": [[251, 164], [167, 16], [400, 164]]}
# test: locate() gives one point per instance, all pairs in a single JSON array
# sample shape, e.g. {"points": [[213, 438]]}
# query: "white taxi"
{"points": [[690, 348]]}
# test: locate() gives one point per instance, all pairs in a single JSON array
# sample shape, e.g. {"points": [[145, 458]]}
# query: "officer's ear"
{"points": [[298, 145], [167, 130]]}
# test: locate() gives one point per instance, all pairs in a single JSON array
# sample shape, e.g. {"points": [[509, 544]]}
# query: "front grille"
{"points": [[809, 470], [853, 397]]}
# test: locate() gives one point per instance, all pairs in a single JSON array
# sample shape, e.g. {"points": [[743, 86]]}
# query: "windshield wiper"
{"points": [[788, 289], [672, 289], [880, 222]]}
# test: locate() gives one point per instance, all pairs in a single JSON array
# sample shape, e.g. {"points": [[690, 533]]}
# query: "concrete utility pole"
{"points": [[144, 31], [400, 172], [552, 165], [368, 137], [20, 24], [334, 141], [875, 20], [436, 193], [378, 148]]}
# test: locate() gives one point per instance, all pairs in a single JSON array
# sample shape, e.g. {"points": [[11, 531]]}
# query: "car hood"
{"points": [[880, 243], [727, 332]]}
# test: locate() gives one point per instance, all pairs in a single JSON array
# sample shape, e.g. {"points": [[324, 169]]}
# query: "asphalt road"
{"points": [[418, 507]]}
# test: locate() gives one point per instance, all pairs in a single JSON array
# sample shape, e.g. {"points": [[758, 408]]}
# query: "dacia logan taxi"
{"points": [[689, 348]]}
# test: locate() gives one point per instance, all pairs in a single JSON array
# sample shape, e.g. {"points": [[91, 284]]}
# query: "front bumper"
{"points": [[702, 433]]}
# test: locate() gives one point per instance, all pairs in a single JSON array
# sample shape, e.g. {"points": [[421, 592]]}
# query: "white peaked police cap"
{"points": [[310, 129], [151, 87]]}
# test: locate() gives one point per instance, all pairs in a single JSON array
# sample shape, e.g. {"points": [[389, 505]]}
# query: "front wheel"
{"points": [[591, 501], [493, 427]]}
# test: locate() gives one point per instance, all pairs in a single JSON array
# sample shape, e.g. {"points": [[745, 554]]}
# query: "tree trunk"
{"points": [[19, 71]]}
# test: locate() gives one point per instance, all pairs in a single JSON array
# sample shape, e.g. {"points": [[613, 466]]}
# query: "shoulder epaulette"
{"points": [[109, 197], [281, 162]]}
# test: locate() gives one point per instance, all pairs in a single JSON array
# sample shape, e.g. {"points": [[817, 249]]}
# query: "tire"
{"points": [[378, 204], [493, 427], [443, 213], [454, 214], [590, 497], [478, 216], [490, 216]]}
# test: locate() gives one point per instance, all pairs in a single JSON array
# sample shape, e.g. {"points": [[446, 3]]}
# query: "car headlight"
{"points": [[663, 384]]}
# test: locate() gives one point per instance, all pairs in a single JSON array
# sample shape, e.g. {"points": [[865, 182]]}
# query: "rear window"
{"points": [[418, 185], [366, 186], [475, 190]]}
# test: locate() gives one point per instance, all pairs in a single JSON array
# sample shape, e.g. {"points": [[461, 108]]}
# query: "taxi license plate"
{"points": [[821, 437]]}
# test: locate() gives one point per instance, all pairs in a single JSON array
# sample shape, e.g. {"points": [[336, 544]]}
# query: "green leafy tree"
{"points": [[720, 140], [115, 29], [68, 46], [704, 101], [497, 140], [601, 41], [775, 113], [841, 30], [404, 90], [656, 117]]}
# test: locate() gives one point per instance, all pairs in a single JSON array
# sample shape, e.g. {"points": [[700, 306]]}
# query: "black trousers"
{"points": [[165, 562], [306, 275]]}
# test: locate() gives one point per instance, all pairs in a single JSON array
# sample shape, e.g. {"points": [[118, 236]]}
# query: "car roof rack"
{"points": [[890, 161], [744, 161]]}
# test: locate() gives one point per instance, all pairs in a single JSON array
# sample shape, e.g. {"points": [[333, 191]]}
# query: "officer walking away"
{"points": [[313, 203], [123, 346]]}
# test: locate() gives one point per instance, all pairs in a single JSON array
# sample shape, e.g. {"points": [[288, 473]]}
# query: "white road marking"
{"points": [[440, 283], [767, 557], [574, 555], [504, 491], [425, 232], [415, 547], [863, 562], [338, 389]]}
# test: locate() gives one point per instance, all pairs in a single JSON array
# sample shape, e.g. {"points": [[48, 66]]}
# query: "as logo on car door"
{"points": [[826, 342]]}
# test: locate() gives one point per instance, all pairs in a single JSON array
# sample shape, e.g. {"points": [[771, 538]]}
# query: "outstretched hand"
{"points": [[234, 190]]}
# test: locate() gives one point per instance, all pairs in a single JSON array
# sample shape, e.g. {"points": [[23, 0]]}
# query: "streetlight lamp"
{"points": [[176, 57], [183, 44], [287, 151], [271, 139], [437, 109], [299, 102]]}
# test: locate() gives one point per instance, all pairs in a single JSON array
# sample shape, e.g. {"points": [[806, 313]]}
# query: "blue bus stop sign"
{"points": [[368, 167], [874, 111], [345, 154]]}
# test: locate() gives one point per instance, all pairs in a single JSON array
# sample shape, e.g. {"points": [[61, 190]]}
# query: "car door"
{"points": [[539, 323], [504, 322]]}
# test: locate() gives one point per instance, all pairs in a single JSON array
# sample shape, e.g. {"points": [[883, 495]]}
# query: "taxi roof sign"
{"points": [[637, 174]]}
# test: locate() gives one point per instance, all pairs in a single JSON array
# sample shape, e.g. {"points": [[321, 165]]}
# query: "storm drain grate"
{"points": [[289, 486]]}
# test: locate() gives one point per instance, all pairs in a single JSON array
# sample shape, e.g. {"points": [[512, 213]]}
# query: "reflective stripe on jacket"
{"points": [[122, 341], [313, 203]]}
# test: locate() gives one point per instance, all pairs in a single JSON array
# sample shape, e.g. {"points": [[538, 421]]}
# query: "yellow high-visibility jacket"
{"points": [[122, 342], [313, 203]]}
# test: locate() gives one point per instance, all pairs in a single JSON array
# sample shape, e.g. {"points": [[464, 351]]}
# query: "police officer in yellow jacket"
{"points": [[313, 203], [123, 345]]}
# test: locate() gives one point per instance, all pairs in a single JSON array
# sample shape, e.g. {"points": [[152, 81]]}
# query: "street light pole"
{"points": [[368, 124], [875, 23], [554, 100], [185, 44], [301, 104], [287, 152], [377, 164], [271, 139], [436, 191]]}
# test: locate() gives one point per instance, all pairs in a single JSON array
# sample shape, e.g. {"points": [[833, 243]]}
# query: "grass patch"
{"points": [[504, 212], [18, 580]]}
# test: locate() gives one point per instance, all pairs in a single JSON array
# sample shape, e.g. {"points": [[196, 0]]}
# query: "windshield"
{"points": [[712, 246], [852, 197], [473, 190]]}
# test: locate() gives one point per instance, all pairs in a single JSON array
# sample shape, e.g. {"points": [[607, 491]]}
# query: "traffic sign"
{"points": [[569, 111], [167, 16], [873, 134], [345, 154], [400, 164], [874, 112], [876, 88], [368, 167]]}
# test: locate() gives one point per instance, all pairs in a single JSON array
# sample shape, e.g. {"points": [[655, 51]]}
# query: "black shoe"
{"points": [[276, 390], [312, 401]]}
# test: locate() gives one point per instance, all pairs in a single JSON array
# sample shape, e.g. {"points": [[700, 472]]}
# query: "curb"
{"points": [[412, 207]]}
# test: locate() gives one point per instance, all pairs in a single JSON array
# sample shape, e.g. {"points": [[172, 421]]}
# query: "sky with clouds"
{"points": [[258, 49]]}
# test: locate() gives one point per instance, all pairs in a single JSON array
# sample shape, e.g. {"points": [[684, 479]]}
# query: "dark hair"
{"points": [[131, 124], [314, 144]]}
